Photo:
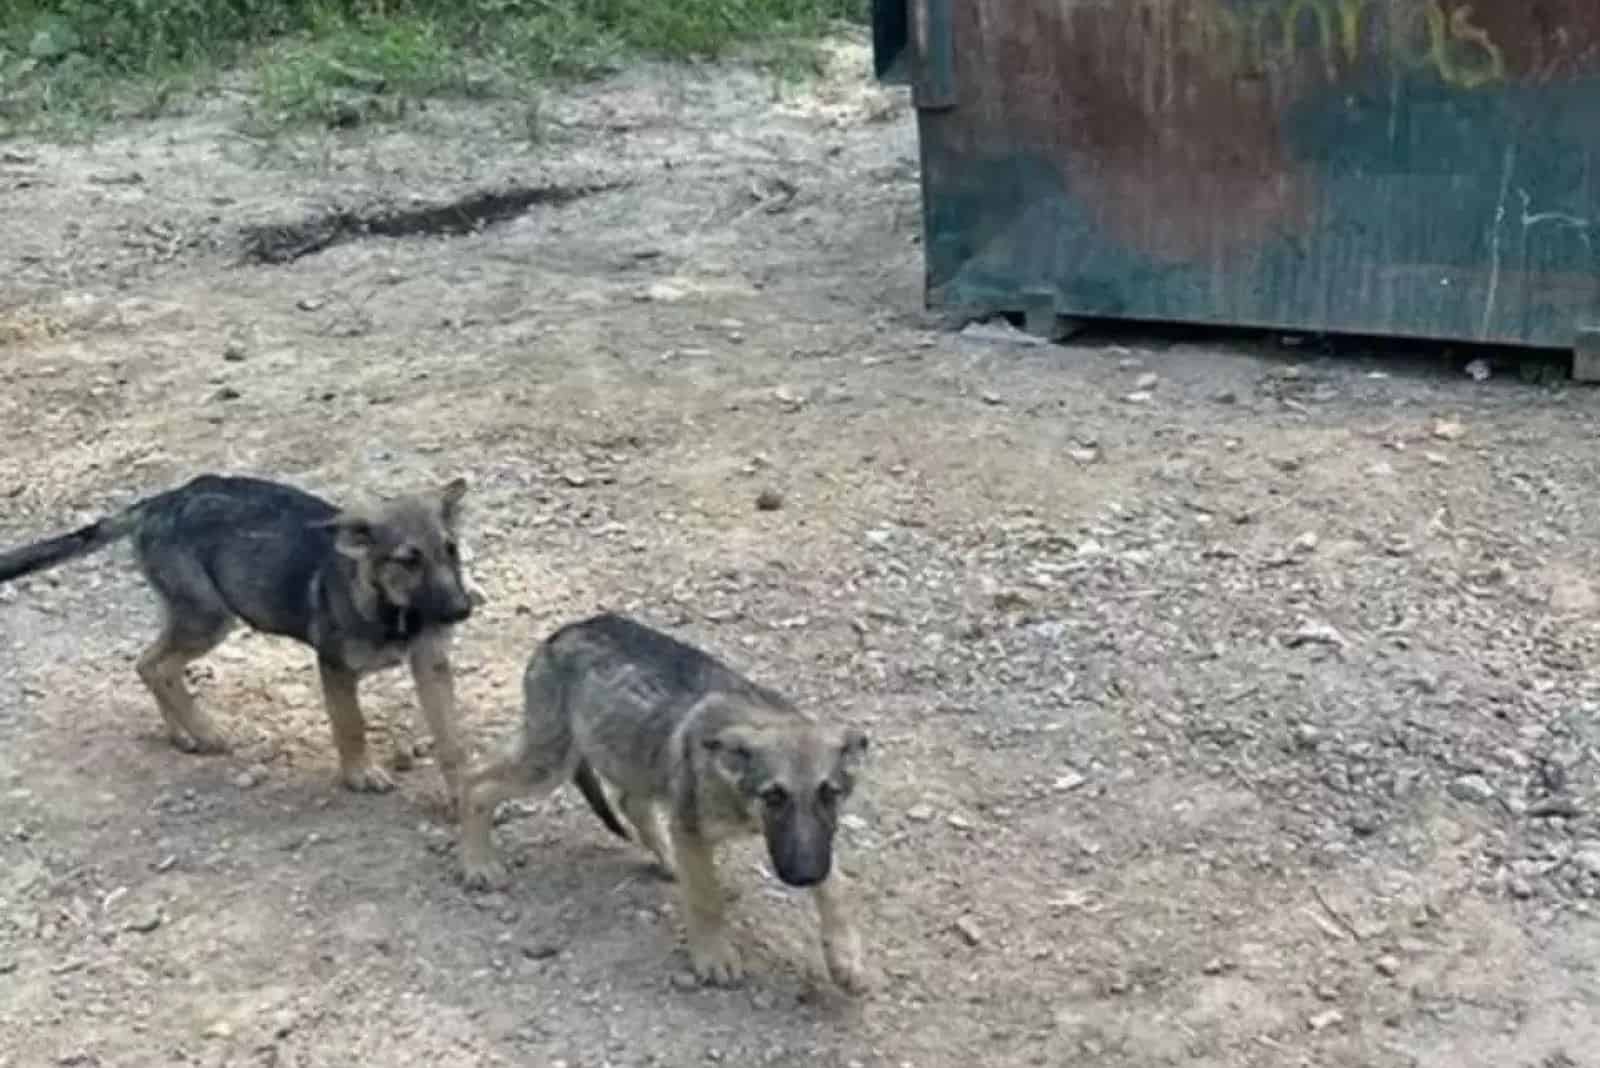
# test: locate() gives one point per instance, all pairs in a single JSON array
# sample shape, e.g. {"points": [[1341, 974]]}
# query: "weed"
{"points": [[65, 62]]}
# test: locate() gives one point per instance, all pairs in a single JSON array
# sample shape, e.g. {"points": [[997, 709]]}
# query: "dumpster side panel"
{"points": [[1403, 167]]}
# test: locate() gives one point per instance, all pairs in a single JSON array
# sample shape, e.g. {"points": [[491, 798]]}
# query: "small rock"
{"points": [[1479, 370], [1306, 543], [574, 478], [788, 399], [991, 398], [969, 931], [7, 965], [958, 821], [1311, 632], [146, 923], [1365, 824], [1436, 459], [1214, 966], [1474, 789], [541, 950], [1139, 396], [1588, 859], [1227, 396], [1069, 782], [1560, 808], [919, 813], [662, 293], [852, 822], [1387, 965], [1519, 888], [1448, 430], [233, 352], [684, 980], [227, 393], [250, 777], [1326, 1019], [769, 500], [310, 303], [166, 864], [218, 1029], [1146, 382]]}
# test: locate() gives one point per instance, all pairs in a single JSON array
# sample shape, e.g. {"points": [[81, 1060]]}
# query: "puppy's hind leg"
{"points": [[641, 813], [188, 631], [529, 770]]}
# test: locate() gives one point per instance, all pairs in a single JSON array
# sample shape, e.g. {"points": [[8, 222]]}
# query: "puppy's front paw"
{"points": [[484, 875], [366, 778], [715, 960]]}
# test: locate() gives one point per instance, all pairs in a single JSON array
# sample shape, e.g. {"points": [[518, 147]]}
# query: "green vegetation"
{"points": [[68, 62]]}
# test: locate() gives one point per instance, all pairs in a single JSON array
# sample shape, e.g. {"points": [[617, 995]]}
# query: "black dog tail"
{"points": [[588, 784], [81, 542]]}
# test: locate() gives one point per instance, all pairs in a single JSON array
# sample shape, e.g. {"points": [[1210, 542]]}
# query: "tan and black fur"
{"points": [[670, 726], [366, 589]]}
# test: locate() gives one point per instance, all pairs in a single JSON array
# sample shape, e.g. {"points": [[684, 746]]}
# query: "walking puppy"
{"points": [[365, 590], [669, 725]]}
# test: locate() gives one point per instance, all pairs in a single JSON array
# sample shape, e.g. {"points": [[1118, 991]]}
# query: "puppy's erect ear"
{"points": [[450, 495], [732, 754], [853, 745], [353, 535]]}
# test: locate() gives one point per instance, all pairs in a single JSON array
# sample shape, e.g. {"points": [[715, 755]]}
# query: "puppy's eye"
{"points": [[452, 550], [775, 797], [828, 793]]}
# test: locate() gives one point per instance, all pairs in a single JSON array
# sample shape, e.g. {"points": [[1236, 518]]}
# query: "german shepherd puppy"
{"points": [[669, 725], [366, 589]]}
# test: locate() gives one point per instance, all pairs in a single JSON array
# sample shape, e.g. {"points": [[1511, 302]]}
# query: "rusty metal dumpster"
{"points": [[1412, 168]]}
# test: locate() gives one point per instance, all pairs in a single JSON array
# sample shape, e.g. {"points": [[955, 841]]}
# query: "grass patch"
{"points": [[65, 63]]}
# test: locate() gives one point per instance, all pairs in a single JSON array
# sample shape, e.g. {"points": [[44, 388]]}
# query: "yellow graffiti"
{"points": [[1432, 35]]}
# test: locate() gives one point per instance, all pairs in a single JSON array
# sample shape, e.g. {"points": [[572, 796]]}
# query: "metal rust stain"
{"points": [[1170, 120]]}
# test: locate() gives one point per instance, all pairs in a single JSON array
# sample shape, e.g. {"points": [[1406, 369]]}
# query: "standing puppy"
{"points": [[667, 724], [366, 590]]}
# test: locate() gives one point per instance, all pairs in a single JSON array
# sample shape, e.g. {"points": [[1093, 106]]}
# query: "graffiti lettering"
{"points": [[1435, 35]]}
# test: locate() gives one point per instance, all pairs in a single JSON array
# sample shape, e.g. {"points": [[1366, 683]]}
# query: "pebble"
{"points": [[1387, 965], [1069, 782], [1306, 543], [1474, 789], [1146, 382], [1588, 859], [146, 923], [769, 500], [1448, 430], [958, 821], [250, 777], [969, 931], [919, 813], [1139, 396], [233, 352], [540, 950], [1324, 1020]]}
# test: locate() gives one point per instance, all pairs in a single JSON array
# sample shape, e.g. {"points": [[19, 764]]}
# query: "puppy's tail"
{"points": [[588, 785], [81, 542]]}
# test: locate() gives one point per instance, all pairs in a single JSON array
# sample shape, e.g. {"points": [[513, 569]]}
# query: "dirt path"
{"points": [[1248, 720]]}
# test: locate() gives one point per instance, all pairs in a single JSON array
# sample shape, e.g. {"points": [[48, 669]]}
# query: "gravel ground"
{"points": [[1232, 704]]}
